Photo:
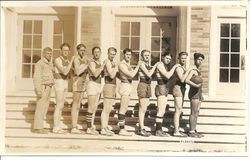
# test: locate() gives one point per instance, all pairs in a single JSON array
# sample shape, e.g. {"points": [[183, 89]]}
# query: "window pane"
{"points": [[235, 45], [166, 44], [155, 57], [124, 42], [224, 60], [58, 27], [38, 27], [155, 44], [36, 56], [234, 75], [223, 75], [27, 26], [134, 58], [37, 42], [166, 29], [26, 71], [224, 45], [235, 60], [224, 30], [155, 29], [125, 28], [135, 43], [27, 41], [57, 41], [235, 30], [135, 30], [26, 56]]}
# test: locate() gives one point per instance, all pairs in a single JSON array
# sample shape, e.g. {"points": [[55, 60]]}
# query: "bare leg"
{"points": [[178, 109], [143, 104]]}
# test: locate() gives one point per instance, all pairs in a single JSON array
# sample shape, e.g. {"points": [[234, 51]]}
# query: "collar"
{"points": [[45, 60]]}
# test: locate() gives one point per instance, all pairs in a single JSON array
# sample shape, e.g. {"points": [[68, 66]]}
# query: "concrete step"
{"points": [[233, 120], [92, 145], [236, 139], [131, 123]]}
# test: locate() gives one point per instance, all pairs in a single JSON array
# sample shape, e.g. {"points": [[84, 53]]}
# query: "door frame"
{"points": [[222, 88]]}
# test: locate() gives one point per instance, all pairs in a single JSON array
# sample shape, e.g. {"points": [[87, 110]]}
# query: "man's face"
{"points": [[127, 56], [82, 51], [199, 61], [167, 59], [65, 51], [183, 59], [146, 56], [111, 54], [97, 53], [48, 55]]}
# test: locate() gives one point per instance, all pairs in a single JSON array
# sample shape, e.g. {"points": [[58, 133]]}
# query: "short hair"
{"points": [[47, 49], [197, 55], [64, 44], [112, 49], [127, 50], [96, 47], [80, 45], [182, 53], [164, 54], [143, 51]]}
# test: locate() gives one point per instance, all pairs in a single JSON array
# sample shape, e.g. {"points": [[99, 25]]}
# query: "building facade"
{"points": [[219, 32]]}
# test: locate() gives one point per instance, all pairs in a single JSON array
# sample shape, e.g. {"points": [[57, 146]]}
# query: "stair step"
{"points": [[126, 146], [206, 138], [204, 128]]}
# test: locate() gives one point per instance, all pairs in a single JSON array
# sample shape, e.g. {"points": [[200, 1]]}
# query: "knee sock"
{"points": [[121, 121], [159, 123], [88, 119]]}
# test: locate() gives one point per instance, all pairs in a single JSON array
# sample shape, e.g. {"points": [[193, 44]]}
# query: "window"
{"points": [[130, 38], [32, 46], [229, 53]]}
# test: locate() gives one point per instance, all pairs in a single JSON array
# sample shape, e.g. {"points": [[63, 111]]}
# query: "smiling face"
{"points": [[111, 55], [97, 53], [127, 56], [146, 56], [167, 59], [65, 51], [47, 55]]}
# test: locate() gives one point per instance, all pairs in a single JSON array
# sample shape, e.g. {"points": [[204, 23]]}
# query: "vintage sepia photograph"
{"points": [[164, 78]]}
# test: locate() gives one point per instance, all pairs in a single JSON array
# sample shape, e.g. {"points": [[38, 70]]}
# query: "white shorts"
{"points": [[125, 89], [93, 88], [61, 85]]}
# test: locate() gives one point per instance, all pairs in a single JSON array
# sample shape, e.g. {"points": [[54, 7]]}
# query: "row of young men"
{"points": [[46, 76]]}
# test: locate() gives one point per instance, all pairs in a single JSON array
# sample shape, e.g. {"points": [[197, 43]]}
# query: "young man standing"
{"points": [[110, 72], [62, 69], [163, 74], [126, 74], [43, 82], [179, 91], [194, 79], [95, 70], [80, 65]]}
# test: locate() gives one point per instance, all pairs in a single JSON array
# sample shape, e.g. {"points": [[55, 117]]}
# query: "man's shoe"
{"points": [[144, 133], [123, 132], [106, 132], [40, 131], [199, 134], [76, 131], [179, 134], [161, 133], [59, 131], [92, 131]]}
